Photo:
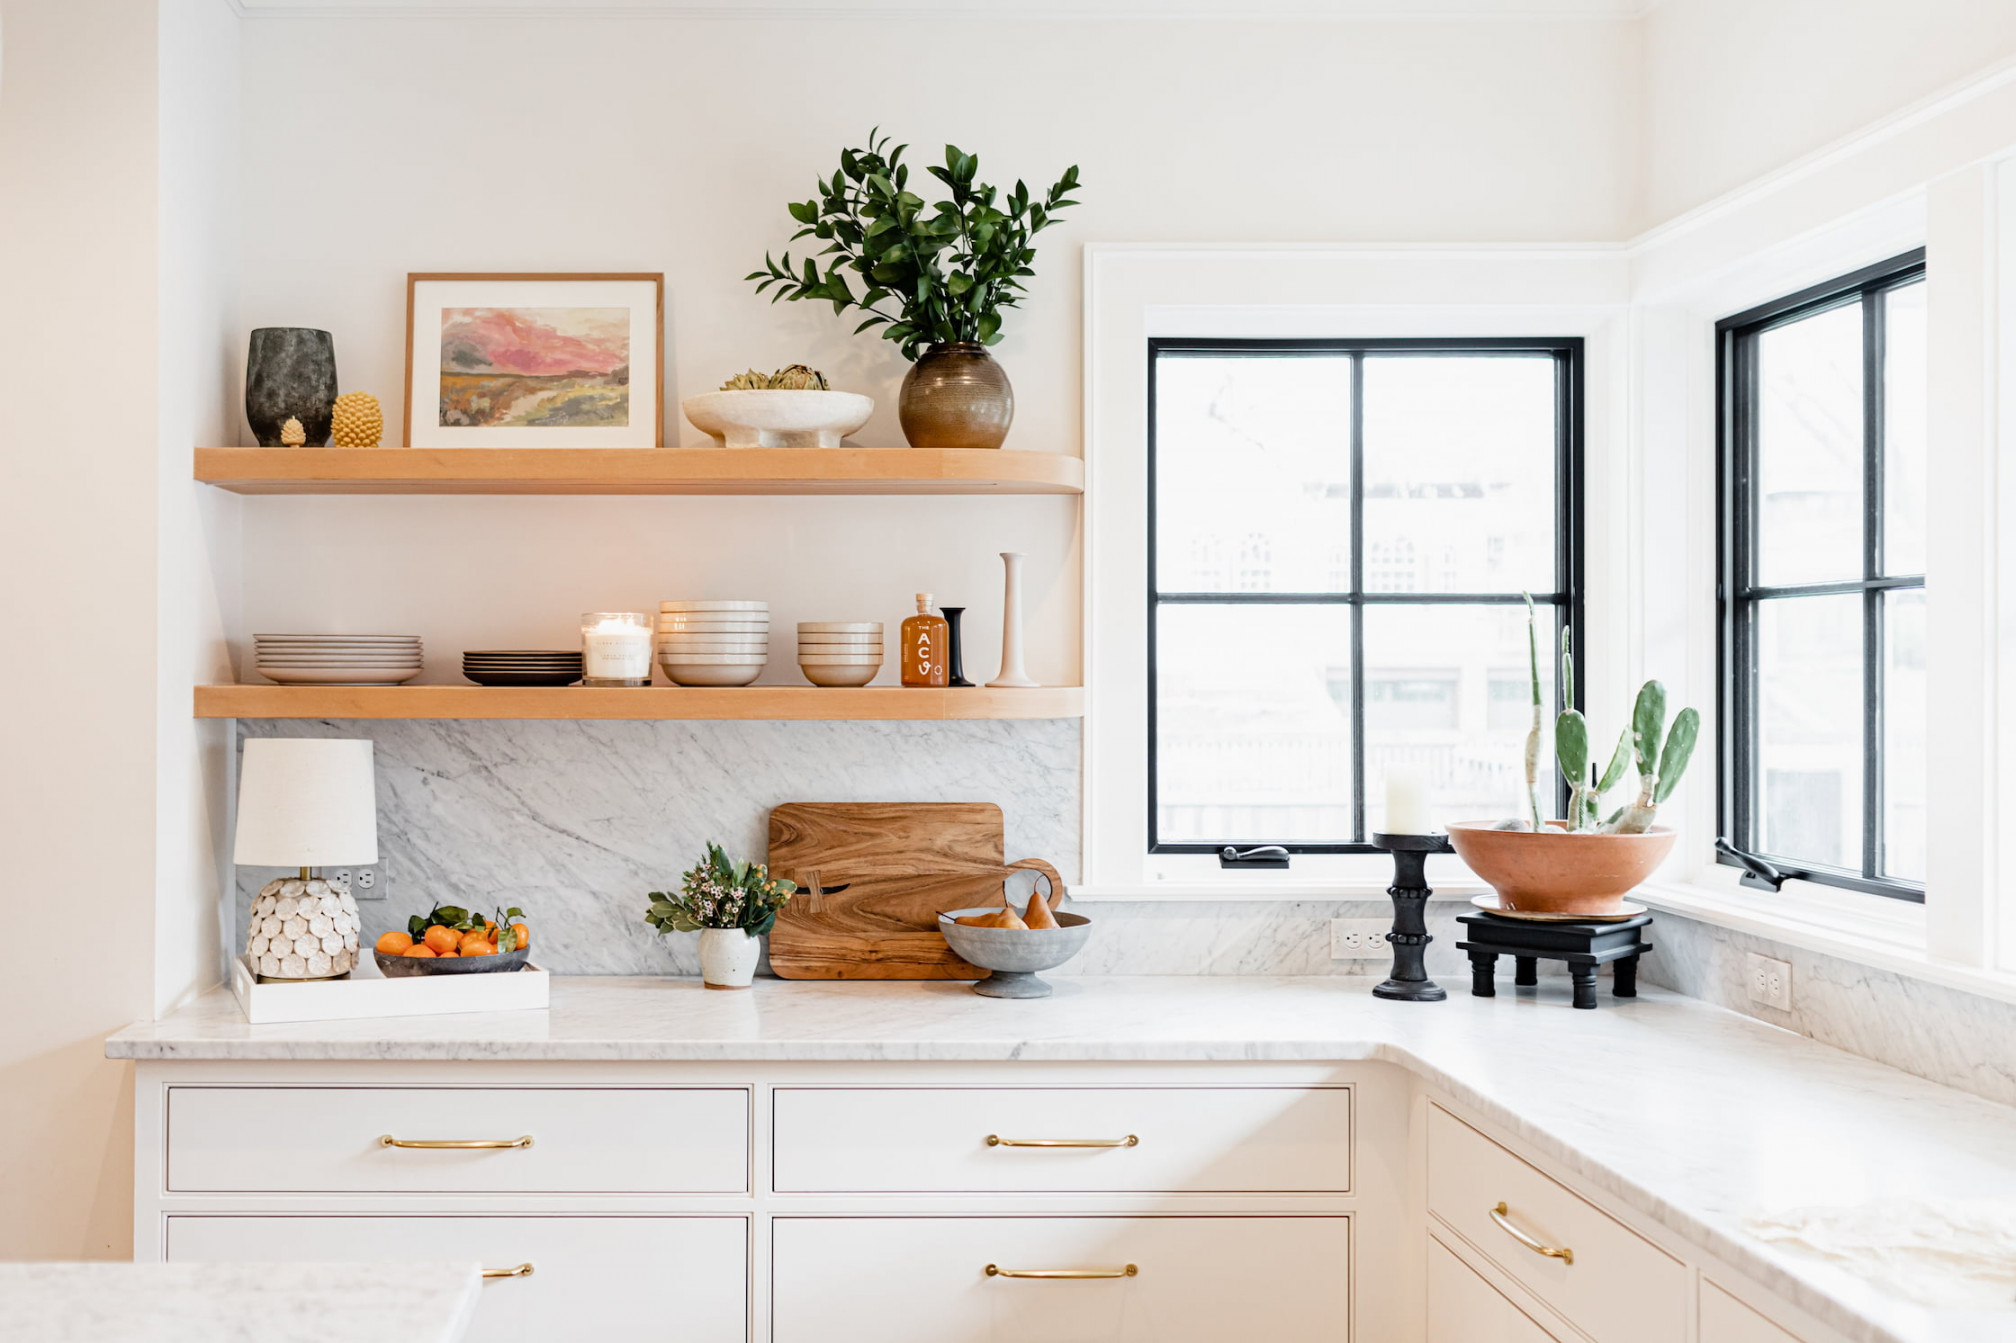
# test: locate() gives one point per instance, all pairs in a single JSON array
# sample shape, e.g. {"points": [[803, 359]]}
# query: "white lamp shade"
{"points": [[306, 802]]}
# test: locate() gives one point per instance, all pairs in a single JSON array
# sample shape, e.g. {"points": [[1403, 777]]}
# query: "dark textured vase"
{"points": [[290, 373], [956, 396], [955, 658]]}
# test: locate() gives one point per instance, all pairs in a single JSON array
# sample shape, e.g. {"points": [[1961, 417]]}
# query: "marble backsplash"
{"points": [[576, 821]]}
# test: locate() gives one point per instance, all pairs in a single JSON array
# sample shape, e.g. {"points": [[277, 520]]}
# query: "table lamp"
{"points": [[305, 803]]}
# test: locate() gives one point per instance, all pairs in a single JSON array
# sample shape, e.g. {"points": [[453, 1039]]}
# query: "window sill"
{"points": [[1864, 929], [1253, 889]]}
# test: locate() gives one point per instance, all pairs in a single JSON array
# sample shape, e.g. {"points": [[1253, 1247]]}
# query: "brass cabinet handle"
{"points": [[523, 1270], [1502, 1216], [996, 1140], [1128, 1271], [454, 1144]]}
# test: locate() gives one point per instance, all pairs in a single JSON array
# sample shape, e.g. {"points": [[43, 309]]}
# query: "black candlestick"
{"points": [[1409, 938], [954, 659]]}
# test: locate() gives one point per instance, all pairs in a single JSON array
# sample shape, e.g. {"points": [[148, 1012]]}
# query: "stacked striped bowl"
{"points": [[840, 652], [338, 659], [713, 643]]}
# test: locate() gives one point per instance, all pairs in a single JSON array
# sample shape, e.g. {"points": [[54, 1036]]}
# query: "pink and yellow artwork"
{"points": [[535, 367]]}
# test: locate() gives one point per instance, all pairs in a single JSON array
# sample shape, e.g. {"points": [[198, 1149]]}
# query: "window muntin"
{"points": [[1457, 463], [1823, 636]]}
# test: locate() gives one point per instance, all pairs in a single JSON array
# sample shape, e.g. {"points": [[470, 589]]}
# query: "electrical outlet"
{"points": [[1770, 982], [1358, 939], [366, 882]]}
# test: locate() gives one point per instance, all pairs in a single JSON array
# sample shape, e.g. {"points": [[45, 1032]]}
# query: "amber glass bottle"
{"points": [[925, 640]]}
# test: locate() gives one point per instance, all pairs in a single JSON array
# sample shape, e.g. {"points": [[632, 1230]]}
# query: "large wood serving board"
{"points": [[899, 865]]}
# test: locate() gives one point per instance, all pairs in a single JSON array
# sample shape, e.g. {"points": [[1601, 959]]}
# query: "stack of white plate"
{"points": [[338, 659], [839, 652], [713, 643]]}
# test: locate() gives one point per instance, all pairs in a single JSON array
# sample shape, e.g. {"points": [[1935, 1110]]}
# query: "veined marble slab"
{"points": [[1689, 1114], [235, 1303]]}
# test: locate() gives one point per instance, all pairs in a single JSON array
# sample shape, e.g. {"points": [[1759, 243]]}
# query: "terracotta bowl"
{"points": [[1560, 873]]}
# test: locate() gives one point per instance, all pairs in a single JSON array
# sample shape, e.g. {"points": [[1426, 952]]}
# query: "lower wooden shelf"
{"points": [[876, 703]]}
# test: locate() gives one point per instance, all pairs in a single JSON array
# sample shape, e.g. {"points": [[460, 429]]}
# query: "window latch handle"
{"points": [[1265, 856], [1758, 875]]}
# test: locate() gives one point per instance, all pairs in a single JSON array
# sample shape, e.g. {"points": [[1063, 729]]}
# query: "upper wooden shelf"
{"points": [[637, 703], [639, 471]]}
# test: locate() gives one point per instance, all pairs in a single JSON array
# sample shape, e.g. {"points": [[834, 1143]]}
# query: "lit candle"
{"points": [[615, 648], [1406, 800]]}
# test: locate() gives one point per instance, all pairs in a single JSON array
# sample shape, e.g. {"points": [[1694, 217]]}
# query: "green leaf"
{"points": [[1648, 719], [1679, 749], [805, 212], [1571, 744], [1620, 760]]}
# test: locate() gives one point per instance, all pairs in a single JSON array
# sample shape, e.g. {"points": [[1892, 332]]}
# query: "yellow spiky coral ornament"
{"points": [[357, 421]]}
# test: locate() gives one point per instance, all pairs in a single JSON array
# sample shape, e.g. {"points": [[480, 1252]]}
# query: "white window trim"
{"points": [[1132, 293]]}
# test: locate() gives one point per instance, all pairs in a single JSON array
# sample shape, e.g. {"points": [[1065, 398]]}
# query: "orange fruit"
{"points": [[443, 939], [445, 956], [524, 935], [489, 930], [394, 943], [418, 949], [476, 946]]}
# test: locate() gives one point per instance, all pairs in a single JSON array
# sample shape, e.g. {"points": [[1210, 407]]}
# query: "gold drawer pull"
{"points": [[523, 1270], [454, 1144], [1502, 1216], [996, 1271], [996, 1140]]}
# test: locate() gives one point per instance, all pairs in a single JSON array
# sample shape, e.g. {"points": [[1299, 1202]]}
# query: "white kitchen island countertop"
{"points": [[236, 1303], [1689, 1114]]}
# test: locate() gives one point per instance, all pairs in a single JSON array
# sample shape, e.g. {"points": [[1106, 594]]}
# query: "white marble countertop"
{"points": [[1691, 1115], [235, 1303]]}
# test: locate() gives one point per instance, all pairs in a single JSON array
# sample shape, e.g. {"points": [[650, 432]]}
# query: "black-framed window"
{"points": [[1822, 580], [1339, 534]]}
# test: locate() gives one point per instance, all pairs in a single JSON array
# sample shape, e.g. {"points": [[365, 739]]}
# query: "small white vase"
{"points": [[1012, 676], [728, 957]]}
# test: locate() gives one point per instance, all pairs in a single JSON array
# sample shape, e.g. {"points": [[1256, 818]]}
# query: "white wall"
{"points": [[673, 145], [77, 601], [199, 346], [1736, 88]]}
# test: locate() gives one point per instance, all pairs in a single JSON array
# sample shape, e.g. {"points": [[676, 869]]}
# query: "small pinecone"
{"points": [[357, 422], [292, 435]]}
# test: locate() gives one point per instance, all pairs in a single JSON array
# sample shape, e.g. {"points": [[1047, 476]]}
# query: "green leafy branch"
{"points": [[929, 274]]}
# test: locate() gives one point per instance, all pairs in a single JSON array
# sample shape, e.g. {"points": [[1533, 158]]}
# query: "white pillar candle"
{"points": [[615, 648], [1406, 800]]}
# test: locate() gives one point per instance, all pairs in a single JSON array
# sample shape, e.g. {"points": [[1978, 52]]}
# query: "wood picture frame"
{"points": [[570, 376]]}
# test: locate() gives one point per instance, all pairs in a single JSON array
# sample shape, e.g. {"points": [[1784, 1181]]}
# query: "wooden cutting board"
{"points": [[896, 867]]}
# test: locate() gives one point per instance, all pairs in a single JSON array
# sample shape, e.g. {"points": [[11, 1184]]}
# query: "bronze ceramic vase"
{"points": [[956, 396]]}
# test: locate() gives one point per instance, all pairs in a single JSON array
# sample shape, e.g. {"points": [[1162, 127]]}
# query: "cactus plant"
{"points": [[792, 378], [1659, 769]]}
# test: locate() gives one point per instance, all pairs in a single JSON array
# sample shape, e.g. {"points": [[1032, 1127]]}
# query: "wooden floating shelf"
{"points": [[639, 471], [876, 703]]}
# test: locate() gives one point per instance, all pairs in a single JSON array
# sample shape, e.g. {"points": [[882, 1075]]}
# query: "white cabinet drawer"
{"points": [[1620, 1288], [224, 1139], [1463, 1308], [641, 1279], [967, 1139], [1724, 1319], [925, 1279]]}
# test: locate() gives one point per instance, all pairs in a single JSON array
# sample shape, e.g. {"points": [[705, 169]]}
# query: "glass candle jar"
{"points": [[615, 648]]}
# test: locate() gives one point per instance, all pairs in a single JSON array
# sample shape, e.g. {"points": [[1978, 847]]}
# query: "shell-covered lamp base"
{"points": [[303, 928]]}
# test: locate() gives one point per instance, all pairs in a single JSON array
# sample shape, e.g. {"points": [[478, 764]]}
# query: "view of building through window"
{"points": [[1272, 661]]}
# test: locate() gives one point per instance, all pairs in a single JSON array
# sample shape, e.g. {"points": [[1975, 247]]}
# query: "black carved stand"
{"points": [[1585, 946], [1409, 938]]}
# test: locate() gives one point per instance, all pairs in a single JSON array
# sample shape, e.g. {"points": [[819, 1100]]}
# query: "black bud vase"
{"points": [[290, 373], [955, 667]]}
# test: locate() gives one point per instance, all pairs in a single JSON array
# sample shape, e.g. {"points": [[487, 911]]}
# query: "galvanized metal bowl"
{"points": [[1013, 954]]}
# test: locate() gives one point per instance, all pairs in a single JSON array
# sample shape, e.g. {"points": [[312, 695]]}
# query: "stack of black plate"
{"points": [[522, 666]]}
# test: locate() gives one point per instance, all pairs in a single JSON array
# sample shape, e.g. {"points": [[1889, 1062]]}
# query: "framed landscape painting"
{"points": [[534, 361]]}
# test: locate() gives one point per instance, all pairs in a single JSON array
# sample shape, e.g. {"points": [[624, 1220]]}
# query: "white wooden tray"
{"points": [[366, 993]]}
